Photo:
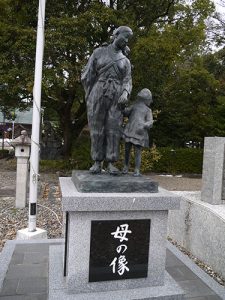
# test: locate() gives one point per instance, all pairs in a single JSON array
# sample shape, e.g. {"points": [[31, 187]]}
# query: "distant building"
{"points": [[12, 128], [50, 142]]}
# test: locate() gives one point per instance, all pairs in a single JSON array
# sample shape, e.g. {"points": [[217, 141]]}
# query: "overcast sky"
{"points": [[220, 6]]}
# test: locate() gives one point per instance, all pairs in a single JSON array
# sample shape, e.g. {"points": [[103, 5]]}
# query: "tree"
{"points": [[190, 110], [70, 39], [67, 51], [187, 94], [215, 64], [166, 33], [17, 41]]}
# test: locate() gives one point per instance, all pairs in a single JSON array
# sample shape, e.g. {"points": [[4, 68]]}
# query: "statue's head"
{"points": [[145, 95], [121, 36]]}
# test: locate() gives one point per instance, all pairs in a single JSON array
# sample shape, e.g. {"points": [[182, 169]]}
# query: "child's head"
{"points": [[146, 96]]}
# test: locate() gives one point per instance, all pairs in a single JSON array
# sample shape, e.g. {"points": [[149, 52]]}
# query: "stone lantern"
{"points": [[22, 153]]}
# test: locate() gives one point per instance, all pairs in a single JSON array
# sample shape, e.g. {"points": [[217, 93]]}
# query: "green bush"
{"points": [[81, 153], [158, 160], [54, 165], [168, 160], [149, 158], [178, 160]]}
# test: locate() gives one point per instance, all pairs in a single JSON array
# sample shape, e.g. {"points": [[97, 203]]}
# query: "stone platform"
{"points": [[25, 273], [170, 290], [86, 182]]}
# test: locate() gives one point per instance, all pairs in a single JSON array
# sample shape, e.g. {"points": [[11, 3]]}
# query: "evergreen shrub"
{"points": [[156, 159], [178, 160]]}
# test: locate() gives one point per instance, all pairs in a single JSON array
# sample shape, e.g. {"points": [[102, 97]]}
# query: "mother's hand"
{"points": [[123, 99]]}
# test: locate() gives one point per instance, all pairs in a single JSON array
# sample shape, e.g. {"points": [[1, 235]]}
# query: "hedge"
{"points": [[178, 160], [159, 160]]}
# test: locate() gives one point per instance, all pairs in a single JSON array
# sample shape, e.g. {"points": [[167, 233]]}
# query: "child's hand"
{"points": [[145, 126], [148, 125]]}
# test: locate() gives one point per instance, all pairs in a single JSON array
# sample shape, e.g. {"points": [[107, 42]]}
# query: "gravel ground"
{"points": [[49, 206], [179, 182]]}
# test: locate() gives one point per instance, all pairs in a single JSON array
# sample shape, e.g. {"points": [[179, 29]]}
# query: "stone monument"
{"points": [[116, 226], [213, 173], [22, 153], [51, 145]]}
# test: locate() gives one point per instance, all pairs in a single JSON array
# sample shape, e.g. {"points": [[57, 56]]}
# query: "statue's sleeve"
{"points": [[89, 75], [149, 119], [127, 81]]}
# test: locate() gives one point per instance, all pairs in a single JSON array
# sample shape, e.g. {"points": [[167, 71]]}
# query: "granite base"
{"points": [[57, 286], [84, 208]]}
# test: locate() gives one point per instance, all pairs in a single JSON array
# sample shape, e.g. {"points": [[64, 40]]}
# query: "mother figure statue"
{"points": [[107, 84]]}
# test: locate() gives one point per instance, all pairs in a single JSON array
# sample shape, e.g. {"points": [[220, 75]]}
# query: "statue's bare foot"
{"points": [[125, 170], [96, 168], [112, 170], [137, 173]]}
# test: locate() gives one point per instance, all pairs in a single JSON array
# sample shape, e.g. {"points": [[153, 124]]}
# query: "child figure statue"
{"points": [[140, 120]]}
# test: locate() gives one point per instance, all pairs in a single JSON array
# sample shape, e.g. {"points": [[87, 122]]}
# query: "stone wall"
{"points": [[199, 227]]}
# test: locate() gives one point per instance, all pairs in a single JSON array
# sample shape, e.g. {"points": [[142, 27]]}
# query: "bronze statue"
{"points": [[136, 130], [107, 84]]}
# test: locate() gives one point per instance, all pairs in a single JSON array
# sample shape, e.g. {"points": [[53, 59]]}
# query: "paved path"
{"points": [[27, 275]]}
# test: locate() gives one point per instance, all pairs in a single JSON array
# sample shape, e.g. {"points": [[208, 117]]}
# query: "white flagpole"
{"points": [[34, 158]]}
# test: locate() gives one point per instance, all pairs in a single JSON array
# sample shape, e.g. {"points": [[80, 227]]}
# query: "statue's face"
{"points": [[148, 101], [122, 39]]}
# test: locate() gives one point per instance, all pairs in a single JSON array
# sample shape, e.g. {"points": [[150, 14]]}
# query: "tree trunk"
{"points": [[80, 120], [66, 126], [71, 130], [67, 137], [78, 127]]}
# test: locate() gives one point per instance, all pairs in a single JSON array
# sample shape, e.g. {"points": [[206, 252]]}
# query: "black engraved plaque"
{"points": [[119, 249]]}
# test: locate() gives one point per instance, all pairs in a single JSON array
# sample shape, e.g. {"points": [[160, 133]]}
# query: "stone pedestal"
{"points": [[213, 179], [115, 245], [21, 181]]}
